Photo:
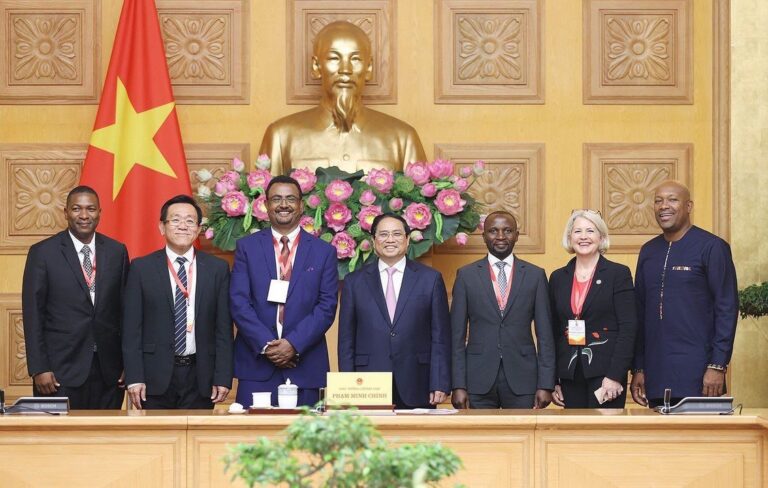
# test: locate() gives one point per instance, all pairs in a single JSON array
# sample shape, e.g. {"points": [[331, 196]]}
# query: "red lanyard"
{"points": [[90, 280], [579, 294], [190, 276], [284, 266], [501, 300]]}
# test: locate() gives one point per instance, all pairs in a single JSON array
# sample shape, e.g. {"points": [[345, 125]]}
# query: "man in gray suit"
{"points": [[495, 361]]}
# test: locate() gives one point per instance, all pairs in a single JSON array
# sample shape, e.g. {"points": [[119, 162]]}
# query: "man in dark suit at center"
{"points": [[394, 317], [71, 299], [177, 331], [495, 361]]}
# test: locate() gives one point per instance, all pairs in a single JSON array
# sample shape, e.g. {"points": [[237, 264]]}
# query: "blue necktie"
{"points": [[180, 311]]}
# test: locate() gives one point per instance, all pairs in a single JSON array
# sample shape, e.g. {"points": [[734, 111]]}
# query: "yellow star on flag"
{"points": [[130, 138]]}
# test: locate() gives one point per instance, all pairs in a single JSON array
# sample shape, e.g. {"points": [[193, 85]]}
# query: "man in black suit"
{"points": [[494, 301], [177, 331], [71, 301]]}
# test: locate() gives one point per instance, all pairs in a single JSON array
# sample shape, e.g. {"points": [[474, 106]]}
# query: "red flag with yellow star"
{"points": [[135, 160]]}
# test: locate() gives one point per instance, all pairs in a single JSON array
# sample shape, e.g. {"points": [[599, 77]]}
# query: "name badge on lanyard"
{"points": [[577, 328]]}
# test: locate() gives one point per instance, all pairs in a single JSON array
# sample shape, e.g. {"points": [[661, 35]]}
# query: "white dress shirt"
{"points": [[397, 276], [291, 242], [510, 260], [78, 249], [190, 254]]}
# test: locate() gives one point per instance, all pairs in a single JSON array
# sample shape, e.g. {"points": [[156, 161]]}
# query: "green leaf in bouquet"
{"points": [[248, 218], [326, 175], [355, 258], [367, 255], [327, 237], [437, 218], [225, 235], [416, 249], [319, 218], [403, 184], [450, 227], [355, 231], [342, 266], [469, 219]]}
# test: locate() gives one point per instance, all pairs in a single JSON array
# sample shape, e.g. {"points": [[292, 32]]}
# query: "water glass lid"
{"points": [[288, 386]]}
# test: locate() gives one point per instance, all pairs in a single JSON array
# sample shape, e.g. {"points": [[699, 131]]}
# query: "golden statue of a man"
{"points": [[341, 131]]}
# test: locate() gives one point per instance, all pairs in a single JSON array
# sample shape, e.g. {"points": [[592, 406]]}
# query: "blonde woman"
{"points": [[593, 315]]}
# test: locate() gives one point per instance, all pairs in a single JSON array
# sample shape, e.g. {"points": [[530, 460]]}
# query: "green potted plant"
{"points": [[753, 300], [343, 449]]}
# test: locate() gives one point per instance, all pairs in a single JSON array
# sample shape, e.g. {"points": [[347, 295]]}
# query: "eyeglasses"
{"points": [[588, 210], [177, 223], [384, 236], [291, 200]]}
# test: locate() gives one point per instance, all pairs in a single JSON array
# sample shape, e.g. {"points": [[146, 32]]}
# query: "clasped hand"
{"points": [[281, 353]]}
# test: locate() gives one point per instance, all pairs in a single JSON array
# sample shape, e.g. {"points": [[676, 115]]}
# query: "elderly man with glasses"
{"points": [[177, 331]]}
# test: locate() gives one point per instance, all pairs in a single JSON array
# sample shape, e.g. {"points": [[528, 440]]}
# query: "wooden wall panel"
{"points": [[513, 181], [378, 18], [207, 50], [50, 53], [620, 180], [14, 379], [489, 51], [638, 52]]}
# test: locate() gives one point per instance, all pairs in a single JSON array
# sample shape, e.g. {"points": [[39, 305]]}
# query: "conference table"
{"points": [[504, 448]]}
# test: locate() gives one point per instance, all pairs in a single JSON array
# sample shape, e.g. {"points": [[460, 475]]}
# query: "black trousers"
{"points": [[94, 394], [182, 393], [501, 395], [580, 391]]}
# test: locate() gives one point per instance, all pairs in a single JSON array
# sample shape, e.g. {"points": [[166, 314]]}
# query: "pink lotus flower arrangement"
{"points": [[340, 207]]}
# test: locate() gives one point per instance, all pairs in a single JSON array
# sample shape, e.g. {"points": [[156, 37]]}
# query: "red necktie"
{"points": [[285, 272]]}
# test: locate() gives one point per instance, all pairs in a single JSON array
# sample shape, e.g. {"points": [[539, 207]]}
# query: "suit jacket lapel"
{"points": [[102, 258], [304, 243], [410, 277], [200, 283], [594, 289], [269, 252], [161, 266], [484, 275], [70, 255], [374, 284], [518, 275]]}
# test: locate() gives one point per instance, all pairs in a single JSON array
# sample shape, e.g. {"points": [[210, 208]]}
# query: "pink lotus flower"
{"points": [[306, 178], [313, 201], [367, 197], [308, 224], [338, 191], [465, 171], [479, 167], [229, 181], [238, 165], [396, 204], [461, 185], [209, 234], [449, 202], [259, 179], [418, 216], [344, 244], [381, 179], [429, 190], [461, 239], [418, 172], [259, 208], [263, 162], [366, 215], [234, 203], [417, 236], [440, 168], [365, 246], [337, 216]]}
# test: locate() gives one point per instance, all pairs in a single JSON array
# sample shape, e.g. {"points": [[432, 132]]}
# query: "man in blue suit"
{"points": [[283, 296], [394, 317]]}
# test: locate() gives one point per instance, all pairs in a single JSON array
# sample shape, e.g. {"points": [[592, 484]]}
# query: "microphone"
{"points": [[2, 401], [667, 399]]}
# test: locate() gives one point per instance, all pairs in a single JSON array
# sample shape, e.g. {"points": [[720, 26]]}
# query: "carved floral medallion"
{"points": [[195, 47], [489, 48], [637, 48], [44, 48]]}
